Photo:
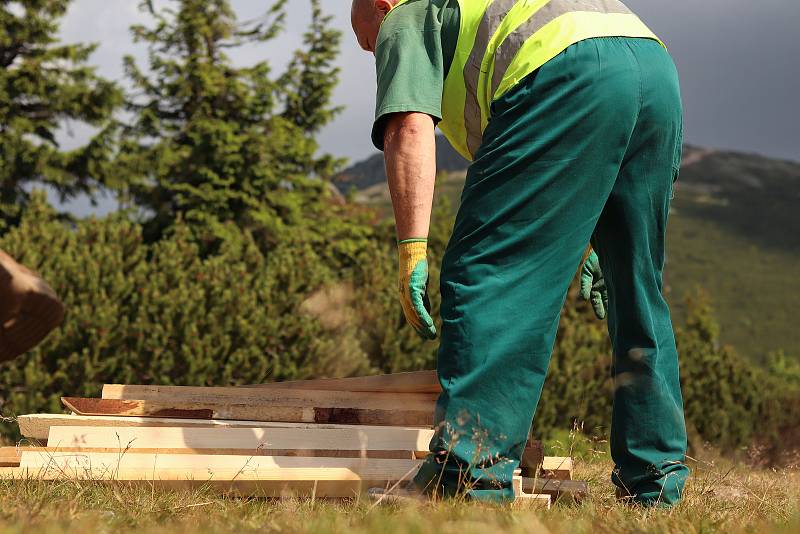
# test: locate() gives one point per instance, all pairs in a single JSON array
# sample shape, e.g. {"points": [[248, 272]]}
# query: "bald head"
{"points": [[366, 17]]}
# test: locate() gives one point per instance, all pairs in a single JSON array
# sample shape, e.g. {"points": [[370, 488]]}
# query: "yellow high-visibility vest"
{"points": [[500, 42]]}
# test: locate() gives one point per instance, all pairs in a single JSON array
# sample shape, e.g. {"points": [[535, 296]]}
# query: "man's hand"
{"points": [[593, 285], [414, 286]]}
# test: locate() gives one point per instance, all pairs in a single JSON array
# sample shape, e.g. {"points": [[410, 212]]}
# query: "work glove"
{"points": [[593, 285], [414, 286]]}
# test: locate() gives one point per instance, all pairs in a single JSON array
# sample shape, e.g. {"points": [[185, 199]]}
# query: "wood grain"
{"points": [[334, 482], [37, 426], [413, 382], [253, 463], [280, 397], [364, 438], [557, 467], [250, 410]]}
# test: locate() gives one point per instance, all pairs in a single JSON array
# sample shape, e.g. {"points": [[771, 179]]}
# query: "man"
{"points": [[570, 113], [29, 309]]}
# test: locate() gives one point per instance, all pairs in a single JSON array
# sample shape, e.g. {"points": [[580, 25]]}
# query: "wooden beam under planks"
{"points": [[248, 409], [13, 461], [252, 463], [413, 382], [315, 477]]}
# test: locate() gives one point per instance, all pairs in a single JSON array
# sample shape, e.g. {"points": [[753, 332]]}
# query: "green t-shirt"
{"points": [[413, 53]]}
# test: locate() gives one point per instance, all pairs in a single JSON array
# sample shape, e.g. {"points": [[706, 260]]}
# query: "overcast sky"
{"points": [[739, 62]]}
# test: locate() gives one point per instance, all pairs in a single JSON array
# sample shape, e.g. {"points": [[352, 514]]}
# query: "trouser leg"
{"points": [[531, 201], [648, 435]]}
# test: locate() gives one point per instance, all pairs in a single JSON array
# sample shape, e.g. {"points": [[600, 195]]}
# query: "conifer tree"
{"points": [[214, 142], [42, 84]]}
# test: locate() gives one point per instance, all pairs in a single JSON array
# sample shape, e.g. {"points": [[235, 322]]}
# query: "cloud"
{"points": [[737, 58]]}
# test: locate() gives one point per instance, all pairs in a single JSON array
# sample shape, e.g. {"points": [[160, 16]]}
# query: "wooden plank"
{"points": [[522, 497], [6, 452], [117, 460], [557, 467], [335, 482], [249, 410], [298, 453], [37, 426], [558, 489], [9, 456], [276, 398], [413, 382], [534, 465], [365, 438]]}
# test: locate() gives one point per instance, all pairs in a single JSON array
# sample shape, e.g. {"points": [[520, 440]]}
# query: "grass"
{"points": [[719, 498]]}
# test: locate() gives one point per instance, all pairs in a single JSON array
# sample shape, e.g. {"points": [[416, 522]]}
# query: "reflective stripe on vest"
{"points": [[502, 41], [551, 11], [489, 24]]}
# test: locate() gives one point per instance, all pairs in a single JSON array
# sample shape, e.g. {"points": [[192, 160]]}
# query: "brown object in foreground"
{"points": [[532, 458], [29, 309], [251, 410]]}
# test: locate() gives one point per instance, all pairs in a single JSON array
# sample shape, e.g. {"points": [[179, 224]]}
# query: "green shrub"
{"points": [[729, 401], [160, 313], [164, 313]]}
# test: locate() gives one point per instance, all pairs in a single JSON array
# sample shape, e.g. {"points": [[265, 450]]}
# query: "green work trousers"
{"points": [[585, 149]]}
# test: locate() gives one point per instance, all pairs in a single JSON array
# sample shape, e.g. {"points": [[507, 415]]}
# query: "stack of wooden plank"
{"points": [[320, 438]]}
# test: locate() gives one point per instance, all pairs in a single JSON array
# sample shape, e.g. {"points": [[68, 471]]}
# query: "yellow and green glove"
{"points": [[414, 286], [593, 285]]}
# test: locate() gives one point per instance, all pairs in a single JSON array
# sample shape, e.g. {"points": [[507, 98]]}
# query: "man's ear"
{"points": [[383, 6]]}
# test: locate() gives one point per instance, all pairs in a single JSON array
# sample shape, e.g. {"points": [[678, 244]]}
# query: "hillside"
{"points": [[734, 230]]}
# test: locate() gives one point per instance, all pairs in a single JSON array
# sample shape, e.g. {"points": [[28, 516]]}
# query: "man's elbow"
{"points": [[407, 126]]}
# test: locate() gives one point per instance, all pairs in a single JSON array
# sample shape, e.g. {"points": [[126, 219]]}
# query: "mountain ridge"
{"points": [[370, 170]]}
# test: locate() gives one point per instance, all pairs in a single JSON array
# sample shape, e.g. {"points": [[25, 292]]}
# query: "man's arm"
{"points": [[410, 155]]}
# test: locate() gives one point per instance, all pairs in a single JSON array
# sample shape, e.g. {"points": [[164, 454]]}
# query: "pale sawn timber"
{"points": [[333, 482], [253, 463], [363, 438], [37, 426]]}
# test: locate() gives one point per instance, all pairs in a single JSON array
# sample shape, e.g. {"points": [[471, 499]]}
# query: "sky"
{"points": [[739, 62]]}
